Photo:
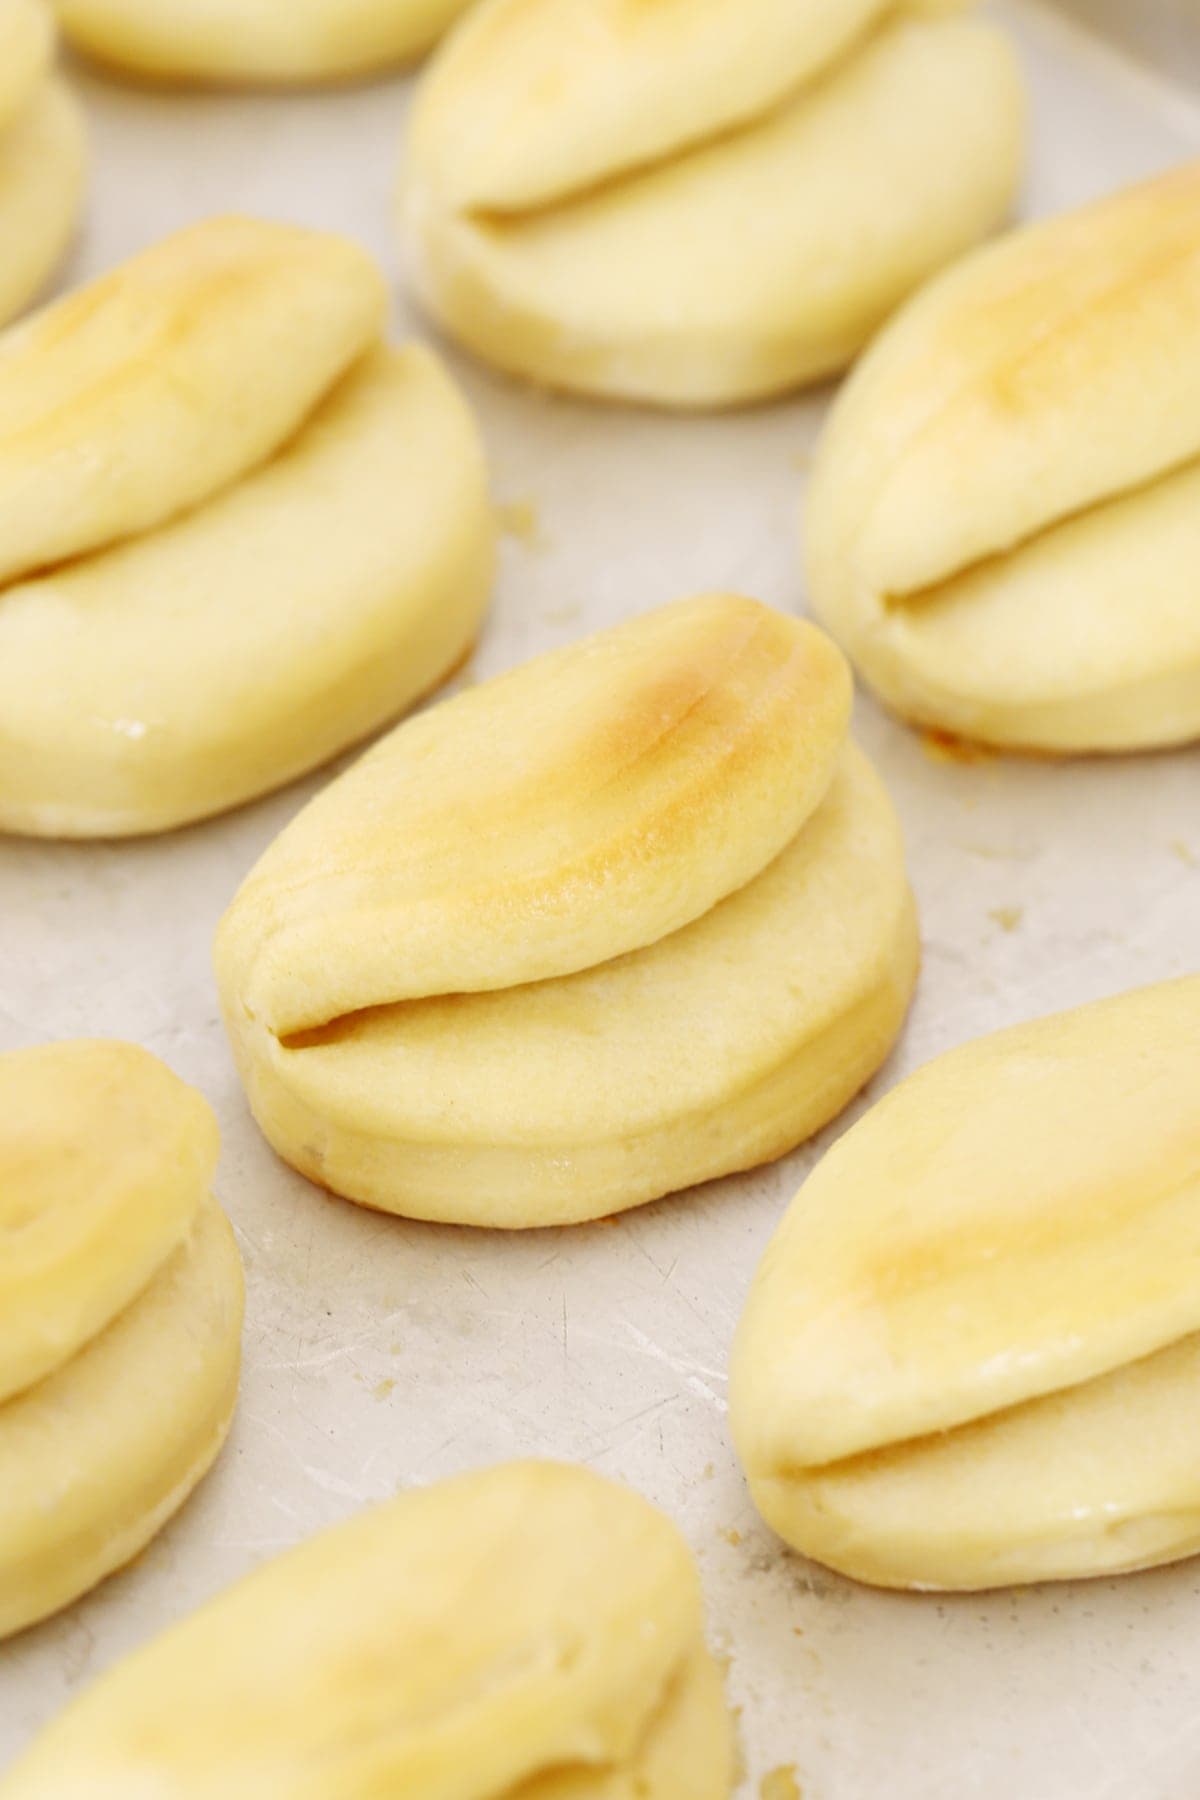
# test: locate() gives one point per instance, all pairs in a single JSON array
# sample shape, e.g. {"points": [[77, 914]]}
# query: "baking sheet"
{"points": [[1163, 33], [381, 1353]]}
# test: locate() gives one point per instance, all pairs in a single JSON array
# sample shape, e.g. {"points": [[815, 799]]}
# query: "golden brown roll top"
{"points": [[145, 392], [701, 203], [555, 817], [1019, 1220], [995, 484], [530, 1630]]}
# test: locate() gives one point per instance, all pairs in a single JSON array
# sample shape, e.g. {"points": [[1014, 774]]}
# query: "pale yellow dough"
{"points": [[260, 634], [718, 1047], [970, 1355], [97, 1457], [43, 156], [628, 918], [582, 805], [43, 167], [267, 42], [701, 204], [103, 1157], [120, 1314], [1001, 528], [290, 533], [528, 1633], [150, 389], [26, 53]]}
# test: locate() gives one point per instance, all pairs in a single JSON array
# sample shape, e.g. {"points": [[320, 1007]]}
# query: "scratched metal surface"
{"points": [[380, 1353]]}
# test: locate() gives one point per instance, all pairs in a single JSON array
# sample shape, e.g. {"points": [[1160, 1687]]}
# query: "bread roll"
{"points": [[1002, 525], [702, 204], [254, 42], [164, 381], [121, 1318], [104, 1155], [969, 1357], [289, 530], [43, 156], [531, 1632], [26, 54], [627, 918]]}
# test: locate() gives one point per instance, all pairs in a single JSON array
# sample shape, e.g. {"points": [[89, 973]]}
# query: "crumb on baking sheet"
{"points": [[1185, 853], [1008, 918], [519, 519], [781, 1784], [943, 747]]}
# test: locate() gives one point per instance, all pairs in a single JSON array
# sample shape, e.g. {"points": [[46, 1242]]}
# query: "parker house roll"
{"points": [[238, 532], [706, 202], [531, 1632], [972, 1354], [629, 917], [1003, 528], [43, 156], [120, 1314], [255, 42]]}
